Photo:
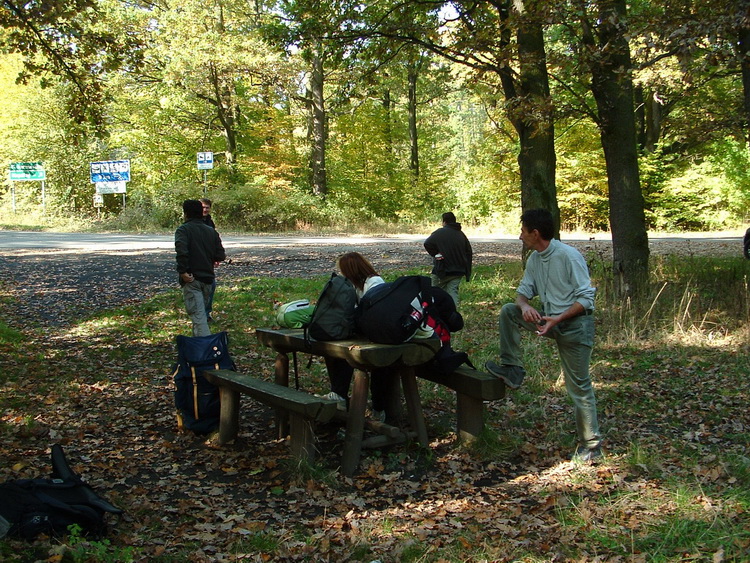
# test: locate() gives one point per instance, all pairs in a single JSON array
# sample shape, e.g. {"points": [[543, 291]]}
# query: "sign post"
{"points": [[205, 162], [98, 203], [27, 171], [111, 177]]}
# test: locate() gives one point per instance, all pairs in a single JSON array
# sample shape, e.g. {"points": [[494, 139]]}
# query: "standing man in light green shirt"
{"points": [[558, 274]]}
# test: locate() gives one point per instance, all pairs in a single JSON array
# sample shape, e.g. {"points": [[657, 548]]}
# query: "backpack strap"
{"points": [[62, 470]]}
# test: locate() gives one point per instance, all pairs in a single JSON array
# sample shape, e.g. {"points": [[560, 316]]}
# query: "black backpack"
{"points": [[333, 316], [391, 313], [49, 506], [196, 399]]}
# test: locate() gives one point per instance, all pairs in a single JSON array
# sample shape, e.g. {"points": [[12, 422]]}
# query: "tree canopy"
{"points": [[323, 112]]}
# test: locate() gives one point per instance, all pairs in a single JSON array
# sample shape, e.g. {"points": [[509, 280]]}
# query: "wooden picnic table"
{"points": [[363, 356]]}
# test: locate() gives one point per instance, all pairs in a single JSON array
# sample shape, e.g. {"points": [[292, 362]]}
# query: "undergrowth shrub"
{"points": [[700, 297]]}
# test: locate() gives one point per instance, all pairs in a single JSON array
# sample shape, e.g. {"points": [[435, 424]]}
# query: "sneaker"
{"points": [[586, 455], [511, 375], [378, 415], [333, 396]]}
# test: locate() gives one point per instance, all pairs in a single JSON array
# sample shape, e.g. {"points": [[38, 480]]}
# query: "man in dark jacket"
{"points": [[198, 248], [451, 252]]}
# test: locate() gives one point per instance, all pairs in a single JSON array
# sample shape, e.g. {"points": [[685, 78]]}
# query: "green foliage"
{"points": [[254, 208], [582, 190], [711, 194], [101, 551], [203, 77], [8, 334]]}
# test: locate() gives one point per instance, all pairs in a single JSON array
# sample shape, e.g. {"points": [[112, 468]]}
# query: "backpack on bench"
{"points": [[391, 313], [333, 316], [31, 507]]}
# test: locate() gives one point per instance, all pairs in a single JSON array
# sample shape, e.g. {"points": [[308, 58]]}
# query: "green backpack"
{"points": [[295, 314]]}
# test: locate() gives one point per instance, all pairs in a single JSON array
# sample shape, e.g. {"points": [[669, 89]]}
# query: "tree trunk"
{"points": [[743, 46], [225, 111], [412, 111], [536, 156], [537, 159], [388, 132], [387, 129], [318, 150], [612, 87], [648, 118]]}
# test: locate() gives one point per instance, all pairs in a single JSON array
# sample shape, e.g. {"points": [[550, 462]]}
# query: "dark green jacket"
{"points": [[451, 242], [198, 247]]}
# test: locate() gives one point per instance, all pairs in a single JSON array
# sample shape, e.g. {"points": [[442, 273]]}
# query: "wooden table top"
{"points": [[359, 352]]}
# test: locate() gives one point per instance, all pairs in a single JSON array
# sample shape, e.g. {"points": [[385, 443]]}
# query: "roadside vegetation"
{"points": [[671, 381]]}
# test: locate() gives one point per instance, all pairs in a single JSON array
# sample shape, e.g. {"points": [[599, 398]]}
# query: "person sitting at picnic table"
{"points": [[358, 270]]}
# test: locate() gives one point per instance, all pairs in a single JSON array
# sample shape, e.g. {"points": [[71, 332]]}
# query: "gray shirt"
{"points": [[559, 276]]}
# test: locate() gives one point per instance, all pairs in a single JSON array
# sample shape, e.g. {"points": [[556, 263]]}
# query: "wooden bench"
{"points": [[472, 388], [303, 409]]}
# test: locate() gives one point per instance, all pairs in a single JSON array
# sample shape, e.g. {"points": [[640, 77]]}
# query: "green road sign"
{"points": [[27, 171]]}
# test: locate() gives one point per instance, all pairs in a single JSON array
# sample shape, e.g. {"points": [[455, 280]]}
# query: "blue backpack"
{"points": [[196, 399]]}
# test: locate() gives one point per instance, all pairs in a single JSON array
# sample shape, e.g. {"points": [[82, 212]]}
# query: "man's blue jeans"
{"points": [[196, 294], [449, 284], [575, 339]]}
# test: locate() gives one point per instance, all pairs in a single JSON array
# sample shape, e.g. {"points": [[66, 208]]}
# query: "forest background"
{"points": [[333, 114]]}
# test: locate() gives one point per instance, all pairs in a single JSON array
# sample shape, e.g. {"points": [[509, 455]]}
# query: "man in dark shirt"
{"points": [[198, 248], [452, 255], [210, 222], [206, 203]]}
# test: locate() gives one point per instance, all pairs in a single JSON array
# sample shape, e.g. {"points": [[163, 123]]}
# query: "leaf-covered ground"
{"points": [[673, 486]]}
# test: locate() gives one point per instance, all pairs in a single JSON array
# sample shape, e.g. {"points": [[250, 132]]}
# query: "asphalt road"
{"points": [[29, 240], [23, 240]]}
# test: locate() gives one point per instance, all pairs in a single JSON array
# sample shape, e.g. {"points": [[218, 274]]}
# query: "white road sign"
{"points": [[205, 160]]}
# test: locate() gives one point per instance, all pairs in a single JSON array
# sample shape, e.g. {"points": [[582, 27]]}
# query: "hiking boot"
{"points": [[511, 375], [586, 455]]}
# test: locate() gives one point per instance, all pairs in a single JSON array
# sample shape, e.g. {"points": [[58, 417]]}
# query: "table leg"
{"points": [[393, 411], [281, 369], [414, 404], [355, 424], [229, 414]]}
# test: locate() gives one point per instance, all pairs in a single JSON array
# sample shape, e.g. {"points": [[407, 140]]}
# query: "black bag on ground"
{"points": [[196, 399], [48, 506], [392, 312], [333, 316]]}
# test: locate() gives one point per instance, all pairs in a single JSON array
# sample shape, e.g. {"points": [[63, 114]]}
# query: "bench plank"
{"points": [[359, 352], [302, 409], [309, 406], [467, 381]]}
